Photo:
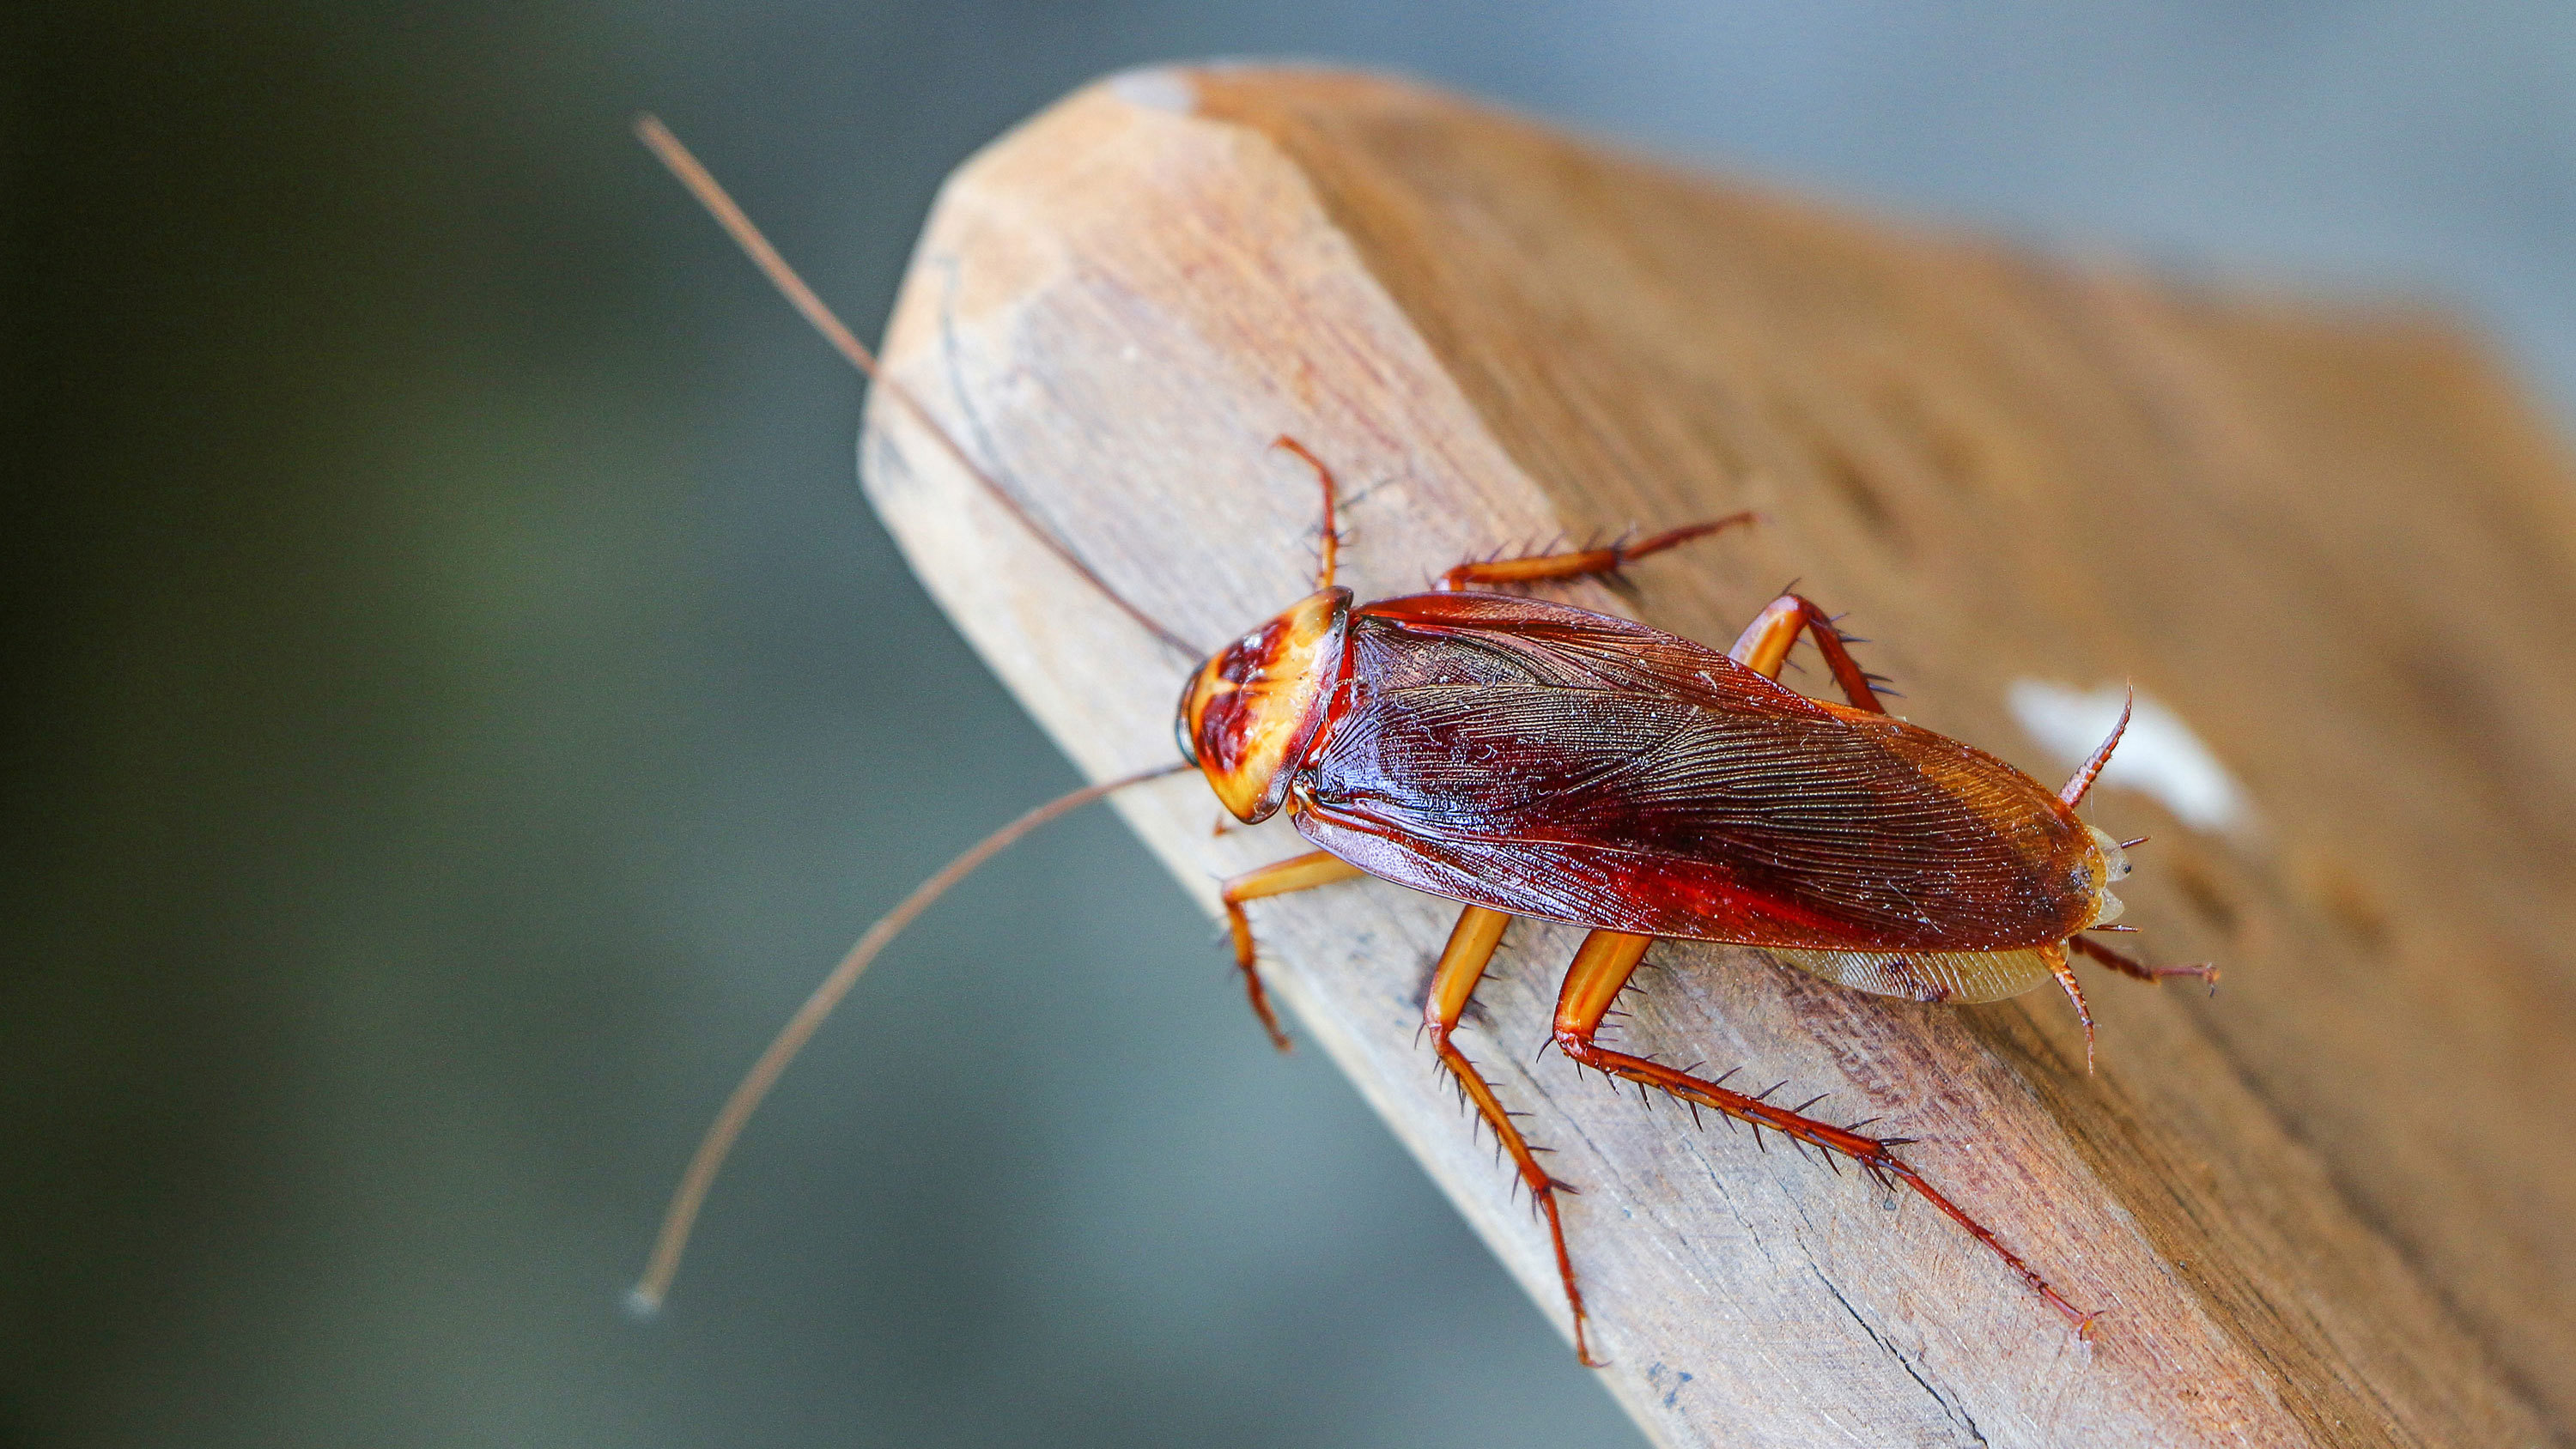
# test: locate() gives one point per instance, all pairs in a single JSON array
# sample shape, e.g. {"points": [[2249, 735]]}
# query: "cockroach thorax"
{"points": [[1248, 714]]}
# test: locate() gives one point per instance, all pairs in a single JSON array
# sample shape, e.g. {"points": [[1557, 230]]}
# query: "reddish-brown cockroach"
{"points": [[1526, 758]]}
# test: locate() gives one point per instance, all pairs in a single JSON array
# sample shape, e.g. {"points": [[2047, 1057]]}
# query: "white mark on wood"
{"points": [[2159, 756], [1157, 88]]}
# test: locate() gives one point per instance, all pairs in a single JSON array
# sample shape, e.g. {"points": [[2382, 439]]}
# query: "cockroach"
{"points": [[1530, 759]]}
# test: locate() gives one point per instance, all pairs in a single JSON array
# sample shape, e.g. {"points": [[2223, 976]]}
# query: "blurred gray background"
{"points": [[457, 702]]}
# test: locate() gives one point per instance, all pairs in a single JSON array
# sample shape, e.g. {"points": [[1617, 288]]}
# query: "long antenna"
{"points": [[691, 1194], [710, 194]]}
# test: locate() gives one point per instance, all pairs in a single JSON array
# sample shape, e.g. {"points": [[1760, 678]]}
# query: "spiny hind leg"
{"points": [[1453, 984], [1600, 972], [1279, 878], [1765, 643], [1538, 568]]}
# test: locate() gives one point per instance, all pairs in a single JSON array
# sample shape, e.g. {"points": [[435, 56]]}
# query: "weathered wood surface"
{"points": [[2334, 1205]]}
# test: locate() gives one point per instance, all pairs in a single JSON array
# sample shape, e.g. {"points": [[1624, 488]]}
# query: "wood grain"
{"points": [[2334, 1205]]}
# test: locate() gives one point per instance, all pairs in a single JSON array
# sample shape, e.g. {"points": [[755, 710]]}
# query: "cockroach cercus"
{"points": [[1526, 758]]}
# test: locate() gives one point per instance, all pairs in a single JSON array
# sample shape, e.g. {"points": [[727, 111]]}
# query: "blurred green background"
{"points": [[457, 702]]}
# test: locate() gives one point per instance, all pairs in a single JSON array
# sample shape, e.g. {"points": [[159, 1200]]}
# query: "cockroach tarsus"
{"points": [[1524, 758]]}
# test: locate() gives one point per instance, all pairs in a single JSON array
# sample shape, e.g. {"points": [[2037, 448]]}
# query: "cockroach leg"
{"points": [[1279, 878], [1600, 971], [1331, 546], [1765, 643], [2128, 965], [1453, 984], [1538, 568], [2065, 975]]}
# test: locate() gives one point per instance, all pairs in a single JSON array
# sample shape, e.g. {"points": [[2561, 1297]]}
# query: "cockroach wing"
{"points": [[1960, 977], [1552, 762]]}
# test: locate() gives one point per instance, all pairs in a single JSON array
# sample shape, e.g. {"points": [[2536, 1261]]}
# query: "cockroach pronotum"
{"points": [[1527, 758]]}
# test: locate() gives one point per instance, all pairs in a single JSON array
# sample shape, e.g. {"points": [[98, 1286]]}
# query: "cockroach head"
{"points": [[1248, 714]]}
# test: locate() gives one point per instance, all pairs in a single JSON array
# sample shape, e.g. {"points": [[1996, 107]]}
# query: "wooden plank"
{"points": [[2333, 1205]]}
